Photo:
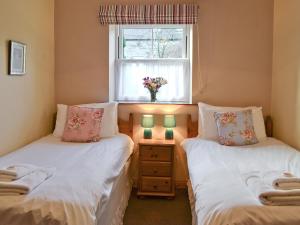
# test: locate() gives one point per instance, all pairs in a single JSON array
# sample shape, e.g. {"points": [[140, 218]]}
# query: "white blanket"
{"points": [[222, 197], [27, 183], [78, 191]]}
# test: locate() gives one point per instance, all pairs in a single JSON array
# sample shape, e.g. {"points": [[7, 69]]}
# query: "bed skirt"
{"points": [[115, 210], [192, 202]]}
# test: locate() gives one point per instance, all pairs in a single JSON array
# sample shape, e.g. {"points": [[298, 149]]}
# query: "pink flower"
{"points": [[97, 115], [228, 118], [75, 122], [154, 84], [226, 141], [248, 134]]}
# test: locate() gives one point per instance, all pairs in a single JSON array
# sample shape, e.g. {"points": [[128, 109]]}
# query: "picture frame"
{"points": [[17, 58]]}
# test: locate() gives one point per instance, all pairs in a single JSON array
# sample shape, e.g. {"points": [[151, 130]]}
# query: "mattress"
{"points": [[80, 189], [219, 195]]}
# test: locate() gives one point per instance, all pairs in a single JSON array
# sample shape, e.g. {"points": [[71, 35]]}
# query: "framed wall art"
{"points": [[17, 58]]}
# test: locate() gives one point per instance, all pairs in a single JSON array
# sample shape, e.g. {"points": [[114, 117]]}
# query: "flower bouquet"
{"points": [[153, 85]]}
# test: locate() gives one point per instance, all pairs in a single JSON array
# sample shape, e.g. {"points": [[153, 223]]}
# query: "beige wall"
{"points": [[234, 66], [235, 40], [286, 71], [27, 102]]}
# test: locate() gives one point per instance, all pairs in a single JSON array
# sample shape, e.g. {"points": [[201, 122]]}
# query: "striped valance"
{"points": [[148, 14]]}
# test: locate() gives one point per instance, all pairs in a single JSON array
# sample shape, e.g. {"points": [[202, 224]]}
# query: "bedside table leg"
{"points": [[141, 197], [171, 198]]}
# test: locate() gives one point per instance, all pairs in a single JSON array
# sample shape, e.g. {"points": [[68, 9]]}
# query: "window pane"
{"points": [[137, 43], [153, 43], [168, 43]]}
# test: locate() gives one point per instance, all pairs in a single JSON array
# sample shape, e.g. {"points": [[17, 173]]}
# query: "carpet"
{"points": [[158, 211]]}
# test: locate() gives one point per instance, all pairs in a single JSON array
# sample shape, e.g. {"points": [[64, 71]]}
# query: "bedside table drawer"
{"points": [[155, 184], [159, 169], [156, 153]]}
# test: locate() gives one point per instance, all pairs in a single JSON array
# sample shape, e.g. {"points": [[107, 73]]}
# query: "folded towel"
{"points": [[27, 183], [6, 178], [280, 197], [261, 185], [287, 182], [15, 172]]}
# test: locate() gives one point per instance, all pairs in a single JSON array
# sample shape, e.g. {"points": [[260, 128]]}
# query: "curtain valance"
{"points": [[148, 14]]}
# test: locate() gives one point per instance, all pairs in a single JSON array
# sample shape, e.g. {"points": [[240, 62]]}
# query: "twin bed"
{"points": [[217, 191], [91, 184], [217, 187]]}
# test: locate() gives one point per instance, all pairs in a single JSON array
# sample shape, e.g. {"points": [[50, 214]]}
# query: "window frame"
{"points": [[118, 52]]}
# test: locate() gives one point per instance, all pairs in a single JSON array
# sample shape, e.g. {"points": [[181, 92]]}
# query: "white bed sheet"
{"points": [[221, 195], [84, 177]]}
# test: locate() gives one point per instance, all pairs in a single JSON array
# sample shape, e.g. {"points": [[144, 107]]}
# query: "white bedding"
{"points": [[222, 197], [78, 190]]}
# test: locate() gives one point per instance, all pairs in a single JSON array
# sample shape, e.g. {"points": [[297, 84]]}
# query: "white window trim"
{"points": [[112, 59], [115, 52]]}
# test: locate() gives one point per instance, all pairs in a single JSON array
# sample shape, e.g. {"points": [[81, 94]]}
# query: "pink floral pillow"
{"points": [[83, 124]]}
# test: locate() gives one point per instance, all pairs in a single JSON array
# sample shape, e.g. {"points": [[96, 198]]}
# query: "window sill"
{"points": [[153, 103]]}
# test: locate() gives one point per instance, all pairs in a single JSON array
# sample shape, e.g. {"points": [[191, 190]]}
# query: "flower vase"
{"points": [[153, 96]]}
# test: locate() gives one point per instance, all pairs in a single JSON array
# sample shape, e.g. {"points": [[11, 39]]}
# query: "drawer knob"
{"points": [[154, 186], [155, 171], [166, 182], [155, 156]]}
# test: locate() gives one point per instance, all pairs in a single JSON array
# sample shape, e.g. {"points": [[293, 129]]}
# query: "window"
{"points": [[153, 51]]}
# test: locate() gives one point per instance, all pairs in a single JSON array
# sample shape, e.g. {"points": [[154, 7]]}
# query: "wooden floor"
{"points": [[159, 211]]}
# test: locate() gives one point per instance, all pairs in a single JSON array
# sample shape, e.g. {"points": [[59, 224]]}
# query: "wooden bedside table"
{"points": [[156, 168]]}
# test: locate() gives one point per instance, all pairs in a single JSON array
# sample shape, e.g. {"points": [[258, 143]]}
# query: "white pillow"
{"points": [[109, 126], [61, 117], [208, 128]]}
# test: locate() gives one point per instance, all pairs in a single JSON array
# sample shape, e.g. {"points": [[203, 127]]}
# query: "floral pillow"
{"points": [[83, 124], [235, 128]]}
